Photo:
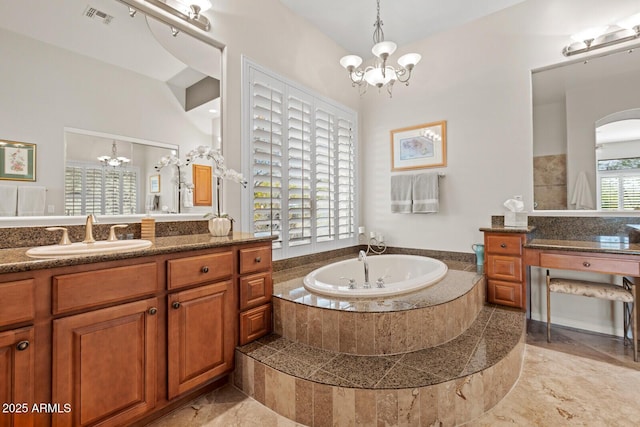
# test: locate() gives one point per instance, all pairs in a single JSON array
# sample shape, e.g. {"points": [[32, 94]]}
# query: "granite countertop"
{"points": [[15, 259], [601, 244]]}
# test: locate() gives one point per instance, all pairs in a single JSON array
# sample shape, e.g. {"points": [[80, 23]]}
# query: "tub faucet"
{"points": [[88, 229], [362, 256]]}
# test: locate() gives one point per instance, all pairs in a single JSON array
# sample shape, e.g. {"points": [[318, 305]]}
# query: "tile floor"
{"points": [[580, 379]]}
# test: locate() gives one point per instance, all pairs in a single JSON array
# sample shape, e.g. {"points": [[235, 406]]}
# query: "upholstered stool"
{"points": [[625, 293]]}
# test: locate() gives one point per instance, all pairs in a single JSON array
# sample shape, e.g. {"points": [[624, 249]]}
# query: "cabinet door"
{"points": [[16, 377], [104, 364], [201, 335]]}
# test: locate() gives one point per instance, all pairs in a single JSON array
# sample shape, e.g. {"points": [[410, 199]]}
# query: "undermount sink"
{"points": [[80, 248]]}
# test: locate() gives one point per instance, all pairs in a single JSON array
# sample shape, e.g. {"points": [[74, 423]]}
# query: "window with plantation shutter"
{"points": [[101, 190], [301, 151], [619, 191]]}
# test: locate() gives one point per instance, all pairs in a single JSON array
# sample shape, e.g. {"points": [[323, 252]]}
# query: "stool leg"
{"points": [[626, 315], [548, 310]]}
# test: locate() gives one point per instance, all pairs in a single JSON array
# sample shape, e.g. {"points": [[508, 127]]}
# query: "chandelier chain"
{"points": [[378, 33]]}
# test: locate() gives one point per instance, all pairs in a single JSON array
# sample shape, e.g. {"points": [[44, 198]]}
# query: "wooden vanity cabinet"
{"points": [[505, 268], [201, 321], [122, 341], [104, 364]]}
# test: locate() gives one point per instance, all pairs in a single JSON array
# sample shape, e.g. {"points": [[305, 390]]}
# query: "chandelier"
{"points": [[380, 74], [113, 160]]}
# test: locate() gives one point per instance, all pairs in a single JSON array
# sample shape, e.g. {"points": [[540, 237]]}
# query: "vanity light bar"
{"points": [[175, 8], [611, 38]]}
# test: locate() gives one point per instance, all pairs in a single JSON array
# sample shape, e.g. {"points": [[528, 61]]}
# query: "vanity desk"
{"points": [[508, 266]]}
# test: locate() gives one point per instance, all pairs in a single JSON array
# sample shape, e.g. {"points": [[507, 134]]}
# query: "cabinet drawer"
{"points": [[503, 244], [590, 263], [199, 269], [504, 293], [504, 267], [255, 290], [98, 287], [255, 323], [18, 297], [255, 259]]}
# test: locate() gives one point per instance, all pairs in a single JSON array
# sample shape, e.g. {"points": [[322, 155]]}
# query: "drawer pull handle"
{"points": [[175, 305], [153, 311], [503, 245], [22, 345], [258, 259], [586, 264], [205, 269]]}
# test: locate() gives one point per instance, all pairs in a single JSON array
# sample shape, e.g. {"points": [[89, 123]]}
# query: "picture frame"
{"points": [[419, 147], [154, 184], [17, 161]]}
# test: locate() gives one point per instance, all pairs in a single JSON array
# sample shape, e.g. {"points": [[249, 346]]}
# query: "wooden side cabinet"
{"points": [[201, 335], [256, 289], [104, 364], [505, 268]]}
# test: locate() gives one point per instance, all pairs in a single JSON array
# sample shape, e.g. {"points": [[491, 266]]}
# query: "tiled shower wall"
{"points": [[550, 182]]}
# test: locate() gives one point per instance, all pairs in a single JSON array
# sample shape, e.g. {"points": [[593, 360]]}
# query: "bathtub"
{"points": [[400, 273]]}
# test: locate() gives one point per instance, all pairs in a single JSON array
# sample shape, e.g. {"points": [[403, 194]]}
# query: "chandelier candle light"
{"points": [[380, 74], [219, 223]]}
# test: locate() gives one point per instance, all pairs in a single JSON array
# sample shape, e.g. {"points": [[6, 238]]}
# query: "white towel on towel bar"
{"points": [[582, 198], [31, 201], [425, 193], [401, 186], [8, 200]]}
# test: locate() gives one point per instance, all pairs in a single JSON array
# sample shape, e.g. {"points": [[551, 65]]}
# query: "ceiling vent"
{"points": [[93, 13]]}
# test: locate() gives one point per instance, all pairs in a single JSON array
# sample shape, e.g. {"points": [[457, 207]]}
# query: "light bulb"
{"points": [[589, 34], [409, 60], [630, 23], [384, 49], [351, 62]]}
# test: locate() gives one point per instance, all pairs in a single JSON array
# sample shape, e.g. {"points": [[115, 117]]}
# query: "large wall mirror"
{"points": [[586, 133], [84, 79]]}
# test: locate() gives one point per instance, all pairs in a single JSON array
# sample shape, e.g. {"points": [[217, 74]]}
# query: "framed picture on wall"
{"points": [[154, 184], [418, 147], [17, 161]]}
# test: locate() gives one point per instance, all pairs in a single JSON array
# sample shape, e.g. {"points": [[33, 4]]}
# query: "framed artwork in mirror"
{"points": [[418, 147], [17, 161], [154, 184]]}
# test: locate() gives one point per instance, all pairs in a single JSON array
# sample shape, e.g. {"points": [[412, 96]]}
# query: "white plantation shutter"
{"points": [[346, 179], [267, 157], [325, 174], [302, 157], [299, 169], [73, 191], [101, 190], [631, 192]]}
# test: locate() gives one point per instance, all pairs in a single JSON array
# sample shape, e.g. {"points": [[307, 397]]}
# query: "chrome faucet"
{"points": [[88, 229], [362, 256]]}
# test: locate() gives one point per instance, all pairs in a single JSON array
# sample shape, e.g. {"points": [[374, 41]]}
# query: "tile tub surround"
{"points": [[449, 384], [367, 326]]}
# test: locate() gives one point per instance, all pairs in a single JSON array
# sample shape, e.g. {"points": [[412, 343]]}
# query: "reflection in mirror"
{"points": [[76, 65], [569, 100], [93, 187], [618, 161]]}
